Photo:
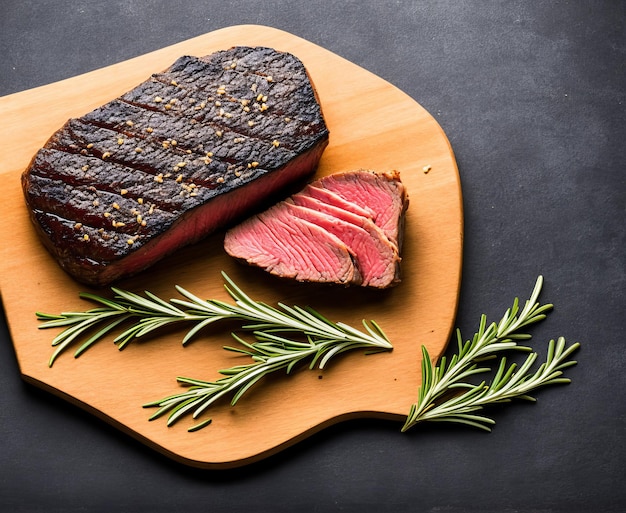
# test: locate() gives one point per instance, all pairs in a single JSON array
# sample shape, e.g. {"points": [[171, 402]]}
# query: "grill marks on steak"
{"points": [[296, 238], [182, 154]]}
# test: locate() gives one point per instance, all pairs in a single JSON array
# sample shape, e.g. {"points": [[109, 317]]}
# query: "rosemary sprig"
{"points": [[286, 336], [150, 313], [439, 398], [270, 353]]}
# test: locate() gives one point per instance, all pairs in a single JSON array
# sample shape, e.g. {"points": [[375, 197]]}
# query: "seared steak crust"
{"points": [[182, 154]]}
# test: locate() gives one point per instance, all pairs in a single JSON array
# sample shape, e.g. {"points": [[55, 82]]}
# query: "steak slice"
{"points": [[186, 152], [377, 258], [330, 198], [275, 239], [281, 240], [381, 194]]}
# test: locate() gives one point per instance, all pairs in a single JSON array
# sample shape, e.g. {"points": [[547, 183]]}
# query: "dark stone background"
{"points": [[531, 96]]}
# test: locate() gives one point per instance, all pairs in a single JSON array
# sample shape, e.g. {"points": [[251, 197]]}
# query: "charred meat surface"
{"points": [[344, 228], [186, 152]]}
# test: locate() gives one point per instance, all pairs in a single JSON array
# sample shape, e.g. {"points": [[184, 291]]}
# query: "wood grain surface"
{"points": [[372, 125]]}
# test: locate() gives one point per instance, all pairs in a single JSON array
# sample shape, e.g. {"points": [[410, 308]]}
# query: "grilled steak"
{"points": [[344, 228], [184, 153]]}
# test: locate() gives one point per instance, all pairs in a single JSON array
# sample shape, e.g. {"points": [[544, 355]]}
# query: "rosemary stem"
{"points": [[438, 396]]}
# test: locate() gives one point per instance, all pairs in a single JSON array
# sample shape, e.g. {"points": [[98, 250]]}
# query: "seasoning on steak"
{"points": [[186, 152], [344, 228]]}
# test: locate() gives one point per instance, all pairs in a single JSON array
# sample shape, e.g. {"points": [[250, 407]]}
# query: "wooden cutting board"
{"points": [[372, 125]]}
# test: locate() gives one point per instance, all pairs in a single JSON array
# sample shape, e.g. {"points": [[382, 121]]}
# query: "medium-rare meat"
{"points": [[382, 195], [280, 243], [376, 257], [344, 228], [186, 152]]}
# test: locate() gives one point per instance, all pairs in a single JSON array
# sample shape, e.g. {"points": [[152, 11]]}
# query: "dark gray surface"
{"points": [[531, 96]]}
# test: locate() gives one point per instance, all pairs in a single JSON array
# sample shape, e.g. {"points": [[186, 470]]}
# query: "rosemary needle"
{"points": [[439, 398]]}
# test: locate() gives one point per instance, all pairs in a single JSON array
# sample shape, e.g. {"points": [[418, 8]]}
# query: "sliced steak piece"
{"points": [[377, 257], [279, 243], [186, 152], [382, 194], [363, 220], [281, 239], [334, 199]]}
